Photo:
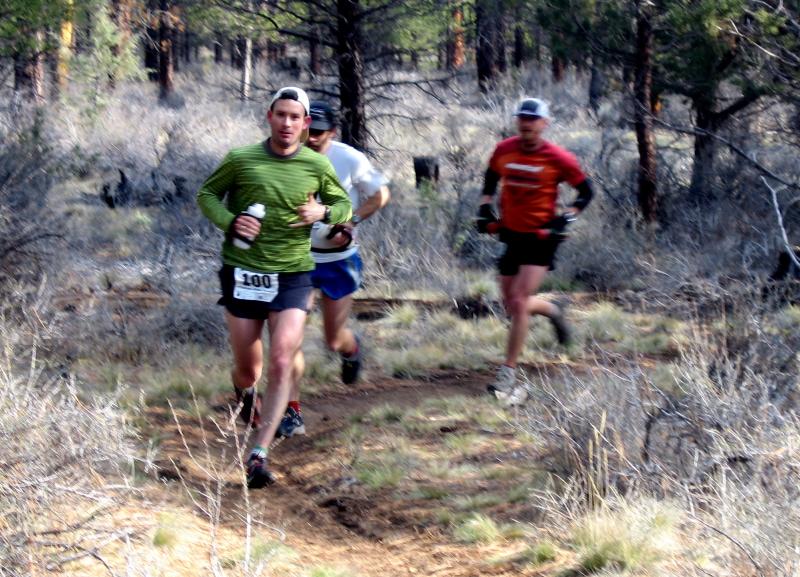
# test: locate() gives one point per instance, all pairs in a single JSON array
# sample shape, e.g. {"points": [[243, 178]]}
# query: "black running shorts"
{"points": [[526, 249], [253, 295]]}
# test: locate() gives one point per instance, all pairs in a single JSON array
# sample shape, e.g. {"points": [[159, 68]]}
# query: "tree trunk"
{"points": [[151, 52], [188, 38], [557, 67], [165, 64], [643, 83], [29, 72], [351, 73], [519, 45], [485, 57], [500, 37], [247, 67], [63, 55], [454, 58], [597, 86], [218, 54], [315, 54], [704, 150]]}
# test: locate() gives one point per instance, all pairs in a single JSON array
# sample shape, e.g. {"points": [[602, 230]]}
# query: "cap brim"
{"points": [[528, 115], [320, 125]]}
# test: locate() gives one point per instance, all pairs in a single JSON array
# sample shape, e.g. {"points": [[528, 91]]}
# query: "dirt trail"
{"points": [[328, 518]]}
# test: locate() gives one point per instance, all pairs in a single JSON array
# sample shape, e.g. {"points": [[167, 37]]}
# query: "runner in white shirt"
{"points": [[335, 252]]}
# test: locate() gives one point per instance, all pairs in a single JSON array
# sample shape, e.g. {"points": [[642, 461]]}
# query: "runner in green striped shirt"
{"points": [[266, 262]]}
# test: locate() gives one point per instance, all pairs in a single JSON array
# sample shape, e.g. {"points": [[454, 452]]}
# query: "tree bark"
{"points": [[218, 54], [351, 73], [485, 56], [151, 51], [557, 68], [645, 139], [29, 69], [315, 54], [500, 37], [29, 75], [247, 68], [704, 150], [165, 63], [519, 45], [454, 59]]}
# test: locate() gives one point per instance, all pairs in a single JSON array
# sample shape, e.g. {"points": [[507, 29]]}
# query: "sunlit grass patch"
{"points": [[430, 492], [478, 501], [386, 413], [387, 466], [166, 534], [477, 529], [326, 571], [403, 316], [262, 551], [415, 361], [462, 444], [540, 553], [380, 473], [446, 470], [632, 538], [787, 320], [606, 322]]}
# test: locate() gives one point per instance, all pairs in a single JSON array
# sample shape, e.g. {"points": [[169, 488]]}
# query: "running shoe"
{"points": [[251, 406], [351, 366], [257, 474], [291, 424], [507, 389], [559, 322]]}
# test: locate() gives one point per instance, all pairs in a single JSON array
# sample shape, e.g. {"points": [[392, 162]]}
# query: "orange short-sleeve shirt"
{"points": [[529, 182]]}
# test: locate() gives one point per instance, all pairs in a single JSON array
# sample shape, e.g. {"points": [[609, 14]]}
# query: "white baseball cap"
{"points": [[533, 108], [291, 93]]}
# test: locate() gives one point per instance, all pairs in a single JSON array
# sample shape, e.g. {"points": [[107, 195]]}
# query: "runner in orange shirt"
{"points": [[529, 170]]}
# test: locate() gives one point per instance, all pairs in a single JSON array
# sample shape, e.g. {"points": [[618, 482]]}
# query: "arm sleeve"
{"points": [[584, 195], [332, 194], [213, 190], [366, 178], [490, 180]]}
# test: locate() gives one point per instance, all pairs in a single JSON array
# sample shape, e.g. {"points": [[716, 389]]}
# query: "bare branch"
{"points": [[784, 236]]}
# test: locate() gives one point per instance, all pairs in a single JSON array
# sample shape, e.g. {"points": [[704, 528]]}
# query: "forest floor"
{"points": [[413, 471]]}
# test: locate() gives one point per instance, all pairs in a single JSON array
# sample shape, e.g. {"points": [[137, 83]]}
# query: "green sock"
{"points": [[259, 451]]}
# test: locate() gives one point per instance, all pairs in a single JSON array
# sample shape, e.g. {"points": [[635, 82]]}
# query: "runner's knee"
{"points": [[281, 362], [246, 376], [517, 305]]}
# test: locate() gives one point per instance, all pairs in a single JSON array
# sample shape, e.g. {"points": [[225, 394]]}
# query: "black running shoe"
{"points": [[559, 322], [351, 366], [257, 474], [291, 424], [251, 406]]}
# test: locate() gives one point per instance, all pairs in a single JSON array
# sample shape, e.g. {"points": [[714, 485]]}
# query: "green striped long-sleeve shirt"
{"points": [[253, 174]]}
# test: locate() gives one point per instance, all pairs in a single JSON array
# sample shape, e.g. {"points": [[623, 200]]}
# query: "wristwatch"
{"points": [[327, 216], [356, 219]]}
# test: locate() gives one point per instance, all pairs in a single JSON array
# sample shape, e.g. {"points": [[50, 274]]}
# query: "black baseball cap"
{"points": [[533, 108], [322, 116]]}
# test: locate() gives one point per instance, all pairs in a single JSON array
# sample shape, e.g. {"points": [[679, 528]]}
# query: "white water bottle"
{"points": [[256, 210]]}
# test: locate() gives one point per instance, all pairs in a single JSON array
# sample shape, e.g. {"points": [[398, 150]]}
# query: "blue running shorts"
{"points": [[339, 278]]}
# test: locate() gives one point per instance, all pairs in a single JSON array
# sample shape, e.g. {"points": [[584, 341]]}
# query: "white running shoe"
{"points": [[505, 379], [517, 396]]}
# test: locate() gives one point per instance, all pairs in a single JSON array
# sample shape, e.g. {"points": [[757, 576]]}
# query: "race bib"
{"points": [[254, 286]]}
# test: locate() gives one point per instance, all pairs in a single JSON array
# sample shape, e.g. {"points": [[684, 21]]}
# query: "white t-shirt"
{"points": [[361, 180]]}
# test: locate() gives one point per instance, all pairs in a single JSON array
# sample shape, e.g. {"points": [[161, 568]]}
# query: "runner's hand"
{"points": [[341, 235], [558, 226], [245, 226], [487, 219], [309, 212]]}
